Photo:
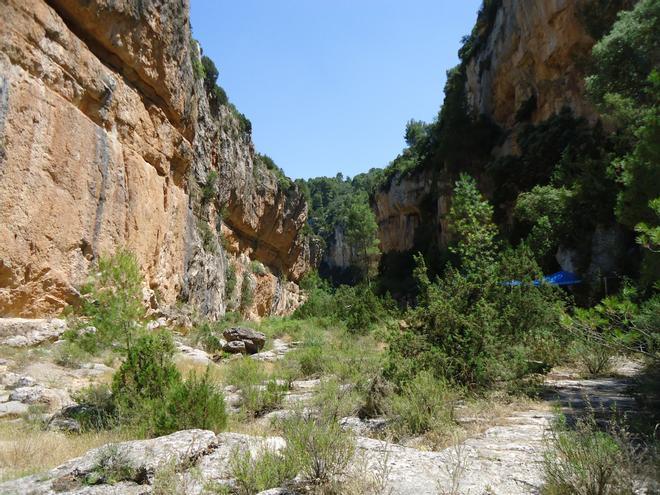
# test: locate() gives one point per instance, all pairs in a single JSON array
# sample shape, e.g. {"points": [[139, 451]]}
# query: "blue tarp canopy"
{"points": [[559, 278]]}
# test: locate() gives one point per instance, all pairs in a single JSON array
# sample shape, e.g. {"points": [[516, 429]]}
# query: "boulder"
{"points": [[53, 398], [13, 408], [254, 341], [235, 347], [61, 423]]}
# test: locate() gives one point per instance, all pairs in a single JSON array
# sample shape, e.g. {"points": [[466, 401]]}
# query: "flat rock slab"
{"points": [[505, 460], [22, 332]]}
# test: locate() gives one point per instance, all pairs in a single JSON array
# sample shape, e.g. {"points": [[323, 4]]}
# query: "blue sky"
{"points": [[330, 85]]}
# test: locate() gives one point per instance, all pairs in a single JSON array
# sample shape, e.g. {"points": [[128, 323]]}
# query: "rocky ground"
{"points": [[503, 458]]}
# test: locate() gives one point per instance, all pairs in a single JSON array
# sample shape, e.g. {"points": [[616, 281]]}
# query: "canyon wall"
{"points": [[107, 141], [528, 62]]}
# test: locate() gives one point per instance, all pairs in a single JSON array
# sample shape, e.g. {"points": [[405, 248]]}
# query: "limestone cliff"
{"points": [[522, 64], [106, 140]]}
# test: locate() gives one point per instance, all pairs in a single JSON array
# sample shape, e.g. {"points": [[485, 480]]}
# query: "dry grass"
{"points": [[186, 366], [26, 450]]}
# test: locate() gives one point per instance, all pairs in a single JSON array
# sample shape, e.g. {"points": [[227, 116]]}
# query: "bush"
{"points": [[111, 303], [148, 371], [269, 469], [320, 448], [207, 335], [96, 408], [257, 268], [230, 282], [311, 357], [257, 398], [586, 460], [208, 239], [424, 404], [209, 187], [359, 308], [193, 403], [469, 327], [112, 466], [247, 293]]}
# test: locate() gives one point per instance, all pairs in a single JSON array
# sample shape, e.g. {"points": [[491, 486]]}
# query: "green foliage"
{"points": [[284, 182], [112, 466], [244, 124], [416, 132], [209, 189], [230, 281], [473, 42], [96, 408], [247, 293], [320, 448], [359, 308], [111, 303], [361, 233], [471, 222], [618, 324], [317, 453], [148, 372], [339, 207], [207, 335], [259, 394], [585, 460], [269, 469], [209, 242], [626, 56], [547, 209], [468, 327], [599, 15], [257, 267], [210, 75], [193, 403], [625, 83], [424, 404]]}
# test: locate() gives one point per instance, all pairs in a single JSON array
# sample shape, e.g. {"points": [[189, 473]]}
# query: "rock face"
{"points": [[106, 139], [533, 53], [529, 64], [401, 208]]}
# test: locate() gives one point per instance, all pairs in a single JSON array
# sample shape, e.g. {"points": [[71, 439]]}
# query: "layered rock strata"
{"points": [[106, 139]]}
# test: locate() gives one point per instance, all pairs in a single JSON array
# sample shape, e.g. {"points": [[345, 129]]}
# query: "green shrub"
{"points": [[259, 399], [148, 371], [70, 355], [320, 448], [311, 357], [585, 460], [111, 302], [111, 466], [208, 239], [319, 302], [209, 187], [257, 268], [359, 308], [259, 394], [208, 336], [269, 469], [426, 403], [469, 326], [96, 408], [230, 281], [193, 403], [594, 355], [247, 293]]}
